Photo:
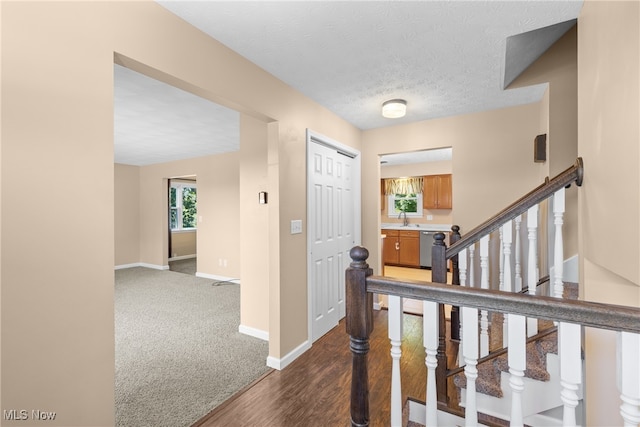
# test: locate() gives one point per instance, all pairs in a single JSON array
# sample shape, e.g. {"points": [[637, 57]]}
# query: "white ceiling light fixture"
{"points": [[394, 108]]}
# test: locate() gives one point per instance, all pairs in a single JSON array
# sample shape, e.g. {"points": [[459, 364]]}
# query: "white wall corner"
{"points": [[253, 332], [570, 268], [280, 364]]}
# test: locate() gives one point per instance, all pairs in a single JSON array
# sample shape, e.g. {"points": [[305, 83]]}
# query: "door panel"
{"points": [[333, 234]]}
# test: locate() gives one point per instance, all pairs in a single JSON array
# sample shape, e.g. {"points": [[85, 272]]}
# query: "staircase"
{"points": [[537, 378]]}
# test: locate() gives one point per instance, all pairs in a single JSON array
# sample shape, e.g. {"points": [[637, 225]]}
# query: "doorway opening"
{"points": [[183, 224]]}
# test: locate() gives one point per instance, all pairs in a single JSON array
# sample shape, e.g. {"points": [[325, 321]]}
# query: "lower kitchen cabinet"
{"points": [[401, 247]]}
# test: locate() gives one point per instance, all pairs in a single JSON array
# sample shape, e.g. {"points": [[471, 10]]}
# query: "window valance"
{"points": [[403, 185]]}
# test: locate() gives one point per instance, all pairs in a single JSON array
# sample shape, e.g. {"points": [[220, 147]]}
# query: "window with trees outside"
{"points": [[409, 203], [183, 201]]}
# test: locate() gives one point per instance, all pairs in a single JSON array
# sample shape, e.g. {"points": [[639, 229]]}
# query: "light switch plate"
{"points": [[296, 226]]}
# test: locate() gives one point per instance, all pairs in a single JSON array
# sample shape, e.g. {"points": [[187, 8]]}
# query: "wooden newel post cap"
{"points": [[455, 229], [438, 239], [359, 256]]}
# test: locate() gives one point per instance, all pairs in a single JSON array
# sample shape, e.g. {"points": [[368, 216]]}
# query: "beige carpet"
{"points": [[178, 350]]}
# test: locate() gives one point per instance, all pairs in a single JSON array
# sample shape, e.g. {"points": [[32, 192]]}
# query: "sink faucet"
{"points": [[406, 220]]}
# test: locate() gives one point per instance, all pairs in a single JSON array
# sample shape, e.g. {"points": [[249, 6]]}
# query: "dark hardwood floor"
{"points": [[314, 389]]}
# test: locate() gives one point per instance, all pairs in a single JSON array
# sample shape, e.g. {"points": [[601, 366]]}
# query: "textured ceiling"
{"points": [[444, 57], [157, 123]]}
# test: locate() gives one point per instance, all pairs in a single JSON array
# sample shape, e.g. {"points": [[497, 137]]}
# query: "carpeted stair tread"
{"points": [[489, 371]]}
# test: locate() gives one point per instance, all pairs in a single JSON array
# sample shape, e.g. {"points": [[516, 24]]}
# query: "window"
{"points": [[182, 199], [410, 203]]}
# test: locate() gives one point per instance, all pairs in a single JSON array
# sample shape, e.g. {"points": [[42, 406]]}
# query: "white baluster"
{"points": [[484, 284], [518, 256], [506, 282], [628, 354], [569, 351], [532, 263], [501, 260], [431, 335], [462, 269], [472, 266], [517, 364], [470, 351], [484, 262], [395, 336], [558, 248]]}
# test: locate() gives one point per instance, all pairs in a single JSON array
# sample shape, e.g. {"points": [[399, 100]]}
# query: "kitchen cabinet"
{"points": [[383, 197], [437, 193], [401, 247]]}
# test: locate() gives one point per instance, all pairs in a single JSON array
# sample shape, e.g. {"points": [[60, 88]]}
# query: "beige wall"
{"points": [[183, 243], [254, 226], [126, 214], [57, 112], [609, 202], [558, 67], [218, 212], [489, 149]]}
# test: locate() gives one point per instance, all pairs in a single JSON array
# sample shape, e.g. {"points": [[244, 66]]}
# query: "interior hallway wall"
{"points": [[57, 115]]}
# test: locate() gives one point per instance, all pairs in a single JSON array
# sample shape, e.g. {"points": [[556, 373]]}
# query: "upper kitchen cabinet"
{"points": [[437, 193]]}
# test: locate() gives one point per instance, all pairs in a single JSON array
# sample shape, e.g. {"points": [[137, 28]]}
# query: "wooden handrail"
{"points": [[591, 314], [520, 206]]}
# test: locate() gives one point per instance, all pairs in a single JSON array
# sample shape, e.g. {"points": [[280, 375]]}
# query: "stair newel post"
{"points": [[455, 280], [359, 325], [532, 263], [518, 255], [431, 338], [439, 275], [628, 352], [569, 351], [506, 281], [395, 338], [558, 247], [484, 284]]}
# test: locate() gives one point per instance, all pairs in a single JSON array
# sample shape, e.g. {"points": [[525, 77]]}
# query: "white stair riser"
{"points": [[538, 396]]}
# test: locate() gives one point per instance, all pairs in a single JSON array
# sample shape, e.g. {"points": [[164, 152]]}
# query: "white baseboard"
{"points": [[178, 258], [123, 266], [280, 364], [141, 264], [217, 277], [253, 332]]}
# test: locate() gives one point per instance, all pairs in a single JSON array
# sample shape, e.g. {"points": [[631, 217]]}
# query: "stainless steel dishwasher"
{"points": [[426, 244]]}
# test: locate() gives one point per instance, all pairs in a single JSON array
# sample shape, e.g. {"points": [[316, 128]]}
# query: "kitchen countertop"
{"points": [[417, 227]]}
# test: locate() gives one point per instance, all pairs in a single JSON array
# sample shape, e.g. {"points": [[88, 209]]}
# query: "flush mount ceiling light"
{"points": [[394, 108]]}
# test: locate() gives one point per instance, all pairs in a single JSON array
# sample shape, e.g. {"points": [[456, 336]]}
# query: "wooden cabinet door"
{"points": [[409, 248], [430, 192], [437, 193], [445, 192], [390, 247], [383, 197]]}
